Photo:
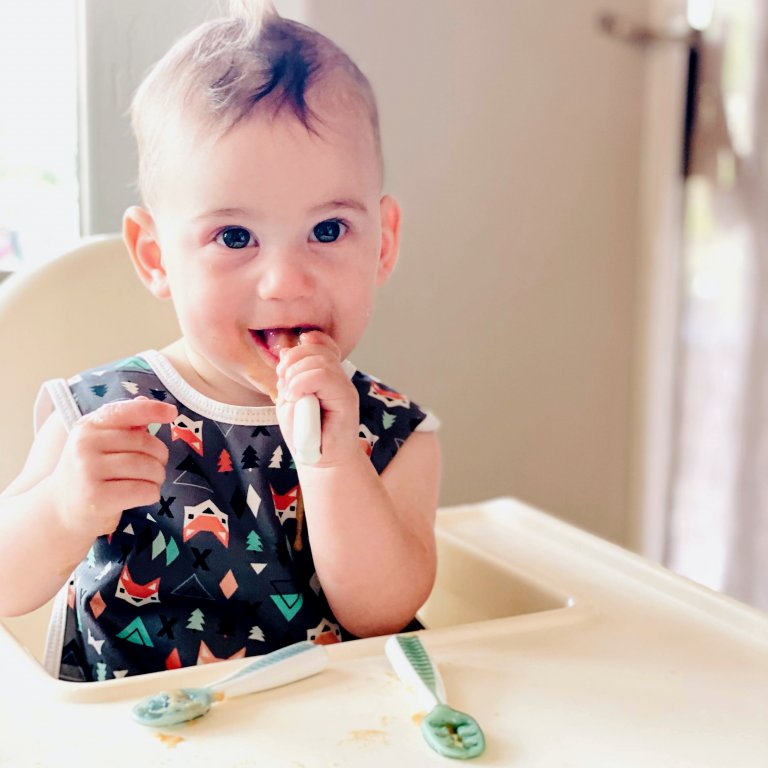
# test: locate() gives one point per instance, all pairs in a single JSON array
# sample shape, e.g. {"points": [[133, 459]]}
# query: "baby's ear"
{"points": [[140, 236], [390, 237]]}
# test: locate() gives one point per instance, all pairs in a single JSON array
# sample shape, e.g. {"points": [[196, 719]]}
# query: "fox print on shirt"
{"points": [[137, 594]]}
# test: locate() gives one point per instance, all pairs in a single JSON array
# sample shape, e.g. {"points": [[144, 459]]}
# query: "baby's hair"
{"points": [[216, 75]]}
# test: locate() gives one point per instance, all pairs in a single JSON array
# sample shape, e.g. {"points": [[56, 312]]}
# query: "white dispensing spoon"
{"points": [[306, 430], [286, 665], [306, 413]]}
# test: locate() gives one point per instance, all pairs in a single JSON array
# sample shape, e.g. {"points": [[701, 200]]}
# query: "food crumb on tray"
{"points": [[169, 739]]}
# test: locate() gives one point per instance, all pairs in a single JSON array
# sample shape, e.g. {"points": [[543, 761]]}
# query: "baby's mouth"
{"points": [[275, 339]]}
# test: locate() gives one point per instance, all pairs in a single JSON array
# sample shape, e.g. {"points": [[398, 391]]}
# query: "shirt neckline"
{"points": [[246, 415]]}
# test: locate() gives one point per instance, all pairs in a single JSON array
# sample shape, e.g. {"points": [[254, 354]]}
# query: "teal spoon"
{"points": [[448, 731], [286, 665]]}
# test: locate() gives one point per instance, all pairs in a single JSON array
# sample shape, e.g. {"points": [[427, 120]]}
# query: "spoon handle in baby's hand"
{"points": [[306, 430]]}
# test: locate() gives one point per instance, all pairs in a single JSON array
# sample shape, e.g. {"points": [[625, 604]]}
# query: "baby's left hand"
{"points": [[313, 367]]}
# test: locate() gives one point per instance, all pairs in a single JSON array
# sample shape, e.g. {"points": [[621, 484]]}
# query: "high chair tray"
{"points": [[565, 648]]}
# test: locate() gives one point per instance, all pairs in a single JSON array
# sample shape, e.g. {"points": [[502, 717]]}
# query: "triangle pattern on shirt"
{"points": [[192, 587], [136, 633]]}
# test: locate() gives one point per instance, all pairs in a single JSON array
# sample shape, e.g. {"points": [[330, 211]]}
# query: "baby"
{"points": [[160, 499]]}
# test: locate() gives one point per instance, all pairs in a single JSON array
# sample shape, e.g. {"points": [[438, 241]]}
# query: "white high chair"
{"points": [[84, 308]]}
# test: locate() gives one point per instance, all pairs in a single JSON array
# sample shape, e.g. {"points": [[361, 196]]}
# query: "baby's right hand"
{"points": [[110, 463]]}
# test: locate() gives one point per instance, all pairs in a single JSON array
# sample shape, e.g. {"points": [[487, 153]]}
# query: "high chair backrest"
{"points": [[83, 308]]}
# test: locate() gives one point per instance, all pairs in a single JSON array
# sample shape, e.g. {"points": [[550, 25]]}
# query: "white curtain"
{"points": [[719, 484], [746, 574]]}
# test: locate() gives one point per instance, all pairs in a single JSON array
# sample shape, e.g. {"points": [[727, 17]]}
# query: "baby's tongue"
{"points": [[280, 338]]}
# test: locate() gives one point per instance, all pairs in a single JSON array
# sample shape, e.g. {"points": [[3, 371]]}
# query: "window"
{"points": [[38, 131], [716, 492]]}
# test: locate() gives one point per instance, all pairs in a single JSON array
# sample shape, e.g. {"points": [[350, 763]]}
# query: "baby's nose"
{"points": [[284, 276]]}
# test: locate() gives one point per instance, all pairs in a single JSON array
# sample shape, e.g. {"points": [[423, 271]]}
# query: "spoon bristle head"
{"points": [[172, 707]]}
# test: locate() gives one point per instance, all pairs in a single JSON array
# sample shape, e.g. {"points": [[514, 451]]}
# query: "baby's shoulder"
{"points": [[387, 418], [127, 377], [382, 403]]}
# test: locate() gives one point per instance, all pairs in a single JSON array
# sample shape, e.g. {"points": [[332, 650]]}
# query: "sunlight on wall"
{"points": [[38, 131]]}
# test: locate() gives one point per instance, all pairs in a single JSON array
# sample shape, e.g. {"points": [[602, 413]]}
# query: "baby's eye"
{"points": [[328, 231], [235, 237]]}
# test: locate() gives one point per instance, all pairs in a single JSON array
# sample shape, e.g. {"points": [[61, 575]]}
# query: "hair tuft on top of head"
{"points": [[253, 12], [220, 72], [274, 62]]}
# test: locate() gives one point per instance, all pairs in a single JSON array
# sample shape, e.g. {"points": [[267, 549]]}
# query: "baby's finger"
{"points": [[312, 343], [126, 494], [316, 380], [136, 440], [131, 466], [320, 362], [320, 339], [127, 414]]}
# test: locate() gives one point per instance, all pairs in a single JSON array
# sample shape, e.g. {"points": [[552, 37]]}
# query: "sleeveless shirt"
{"points": [[221, 567]]}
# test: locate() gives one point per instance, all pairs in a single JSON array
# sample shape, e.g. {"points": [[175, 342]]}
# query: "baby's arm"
{"points": [[372, 536], [72, 489]]}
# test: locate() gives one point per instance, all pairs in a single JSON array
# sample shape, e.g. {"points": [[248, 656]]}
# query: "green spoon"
{"points": [[286, 665], [449, 732]]}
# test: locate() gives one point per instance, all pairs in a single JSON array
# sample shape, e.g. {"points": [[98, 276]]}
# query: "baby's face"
{"points": [[272, 228]]}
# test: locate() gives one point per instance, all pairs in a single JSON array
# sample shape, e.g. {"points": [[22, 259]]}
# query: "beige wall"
{"points": [[512, 136]]}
